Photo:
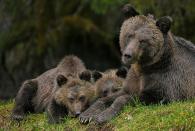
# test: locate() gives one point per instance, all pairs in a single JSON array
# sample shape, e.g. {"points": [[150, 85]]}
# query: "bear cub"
{"points": [[70, 98], [35, 94]]}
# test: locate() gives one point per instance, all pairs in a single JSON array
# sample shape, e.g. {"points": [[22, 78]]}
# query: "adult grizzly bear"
{"points": [[162, 66], [35, 94], [70, 98]]}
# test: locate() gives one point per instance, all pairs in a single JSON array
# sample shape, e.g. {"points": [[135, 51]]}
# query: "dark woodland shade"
{"points": [[34, 53]]}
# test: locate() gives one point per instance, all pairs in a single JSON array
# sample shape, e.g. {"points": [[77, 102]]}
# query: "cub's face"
{"points": [[76, 95], [108, 87], [110, 82], [140, 40]]}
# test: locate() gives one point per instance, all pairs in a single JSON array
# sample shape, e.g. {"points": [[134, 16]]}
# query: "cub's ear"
{"points": [[96, 75], [164, 24], [129, 11], [85, 75], [61, 80], [122, 72]]}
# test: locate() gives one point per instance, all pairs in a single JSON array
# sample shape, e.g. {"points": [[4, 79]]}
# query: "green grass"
{"points": [[175, 116]]}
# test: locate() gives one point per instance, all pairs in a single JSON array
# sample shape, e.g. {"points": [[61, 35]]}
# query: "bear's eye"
{"points": [[82, 98], [71, 100]]}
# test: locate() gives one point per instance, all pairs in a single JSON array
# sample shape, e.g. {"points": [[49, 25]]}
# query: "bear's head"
{"points": [[75, 94], [141, 37], [110, 82]]}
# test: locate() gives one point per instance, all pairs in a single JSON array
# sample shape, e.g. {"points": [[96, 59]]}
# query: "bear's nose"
{"points": [[128, 56]]}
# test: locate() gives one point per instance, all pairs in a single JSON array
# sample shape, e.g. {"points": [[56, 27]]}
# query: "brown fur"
{"points": [[111, 82], [169, 71], [105, 83], [162, 67], [108, 84], [73, 97], [37, 98]]}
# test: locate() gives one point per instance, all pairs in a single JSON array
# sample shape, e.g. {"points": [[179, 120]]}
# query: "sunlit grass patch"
{"points": [[175, 116]]}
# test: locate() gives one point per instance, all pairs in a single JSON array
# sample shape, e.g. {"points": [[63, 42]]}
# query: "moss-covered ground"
{"points": [[174, 116]]}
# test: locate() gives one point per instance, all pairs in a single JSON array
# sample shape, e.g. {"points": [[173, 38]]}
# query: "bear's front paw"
{"points": [[99, 120], [85, 118], [105, 116]]}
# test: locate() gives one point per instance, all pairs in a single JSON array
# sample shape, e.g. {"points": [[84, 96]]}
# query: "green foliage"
{"points": [[102, 6], [39, 16], [175, 116]]}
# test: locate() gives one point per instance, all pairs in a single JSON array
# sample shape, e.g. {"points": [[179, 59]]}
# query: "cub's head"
{"points": [[110, 82], [75, 94], [141, 37]]}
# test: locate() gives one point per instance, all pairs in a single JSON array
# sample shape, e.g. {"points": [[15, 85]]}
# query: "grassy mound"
{"points": [[174, 116]]}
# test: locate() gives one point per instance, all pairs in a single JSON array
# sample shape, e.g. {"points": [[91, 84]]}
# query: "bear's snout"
{"points": [[127, 58]]}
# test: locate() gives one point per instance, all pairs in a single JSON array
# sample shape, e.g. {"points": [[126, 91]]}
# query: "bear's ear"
{"points": [[129, 11], [96, 75], [122, 72], [164, 24], [85, 75], [61, 80]]}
